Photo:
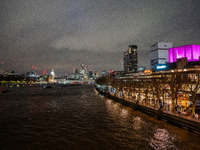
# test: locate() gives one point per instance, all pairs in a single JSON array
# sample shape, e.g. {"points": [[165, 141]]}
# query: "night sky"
{"points": [[61, 34]]}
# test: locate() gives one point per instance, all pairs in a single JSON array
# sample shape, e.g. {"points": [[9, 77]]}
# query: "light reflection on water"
{"points": [[158, 138], [162, 140], [80, 118], [137, 123]]}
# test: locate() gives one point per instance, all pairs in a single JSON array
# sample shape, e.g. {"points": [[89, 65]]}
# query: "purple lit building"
{"points": [[191, 52]]}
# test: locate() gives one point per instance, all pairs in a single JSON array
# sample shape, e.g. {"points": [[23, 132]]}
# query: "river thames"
{"points": [[76, 117]]}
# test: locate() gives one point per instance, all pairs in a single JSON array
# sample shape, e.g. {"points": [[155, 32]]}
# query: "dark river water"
{"points": [[78, 118]]}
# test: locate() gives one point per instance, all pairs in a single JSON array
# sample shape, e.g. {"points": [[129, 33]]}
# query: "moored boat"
{"points": [[48, 86]]}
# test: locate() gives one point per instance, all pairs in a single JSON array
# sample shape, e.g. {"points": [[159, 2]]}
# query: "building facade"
{"points": [[181, 57], [131, 59], [191, 52], [159, 53]]}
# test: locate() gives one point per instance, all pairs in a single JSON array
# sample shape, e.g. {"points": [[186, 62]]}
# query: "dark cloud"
{"points": [[62, 34]]}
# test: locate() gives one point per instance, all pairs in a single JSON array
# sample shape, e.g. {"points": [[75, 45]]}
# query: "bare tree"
{"points": [[163, 89], [120, 84], [133, 86], [192, 85], [103, 80], [155, 88], [146, 86], [175, 85], [139, 85], [128, 86]]}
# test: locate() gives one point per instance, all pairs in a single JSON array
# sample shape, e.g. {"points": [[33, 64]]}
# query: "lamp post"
{"points": [[35, 70], [32, 69], [2, 67]]}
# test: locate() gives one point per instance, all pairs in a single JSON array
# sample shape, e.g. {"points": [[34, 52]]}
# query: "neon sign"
{"points": [[161, 67]]}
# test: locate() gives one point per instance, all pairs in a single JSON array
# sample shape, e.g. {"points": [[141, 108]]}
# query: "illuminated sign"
{"points": [[161, 67], [147, 71]]}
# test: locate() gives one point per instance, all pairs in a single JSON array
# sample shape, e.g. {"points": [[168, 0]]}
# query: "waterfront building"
{"points": [[184, 100], [182, 67], [191, 52], [183, 60], [131, 59], [183, 57], [159, 53]]}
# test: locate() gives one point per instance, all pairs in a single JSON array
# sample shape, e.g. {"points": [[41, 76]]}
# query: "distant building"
{"points": [[52, 73], [141, 68], [159, 53], [6, 72], [120, 73], [103, 73], [33, 75], [76, 72], [131, 59], [90, 74]]}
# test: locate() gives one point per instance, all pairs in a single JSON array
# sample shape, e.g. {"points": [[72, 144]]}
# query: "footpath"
{"points": [[175, 113], [185, 121]]}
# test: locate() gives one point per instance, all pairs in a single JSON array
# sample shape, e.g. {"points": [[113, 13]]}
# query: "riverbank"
{"points": [[186, 122]]}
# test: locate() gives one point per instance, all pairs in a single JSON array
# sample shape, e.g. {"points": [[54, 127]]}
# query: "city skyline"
{"points": [[61, 35]]}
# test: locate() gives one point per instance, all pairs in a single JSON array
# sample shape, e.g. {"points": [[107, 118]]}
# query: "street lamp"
{"points": [[35, 70], [2, 67]]}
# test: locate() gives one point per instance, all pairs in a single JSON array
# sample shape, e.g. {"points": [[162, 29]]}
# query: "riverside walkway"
{"points": [[185, 121], [154, 106]]}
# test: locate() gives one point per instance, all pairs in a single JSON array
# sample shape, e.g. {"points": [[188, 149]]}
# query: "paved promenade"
{"points": [[154, 106]]}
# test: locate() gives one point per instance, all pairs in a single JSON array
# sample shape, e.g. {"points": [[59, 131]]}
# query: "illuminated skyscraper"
{"points": [[131, 59]]}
